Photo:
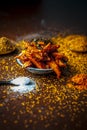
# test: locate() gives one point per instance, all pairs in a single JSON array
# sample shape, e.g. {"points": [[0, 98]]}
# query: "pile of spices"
{"points": [[6, 45], [79, 81], [20, 81], [24, 85], [76, 61]]}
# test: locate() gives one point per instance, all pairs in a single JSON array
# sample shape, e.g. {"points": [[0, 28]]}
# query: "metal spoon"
{"points": [[17, 81], [78, 51]]}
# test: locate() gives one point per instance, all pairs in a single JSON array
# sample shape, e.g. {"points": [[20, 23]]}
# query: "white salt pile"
{"points": [[26, 85]]}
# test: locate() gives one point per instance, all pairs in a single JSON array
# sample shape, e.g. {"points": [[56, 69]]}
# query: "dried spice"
{"points": [[76, 61], [52, 104], [6, 45], [79, 81]]}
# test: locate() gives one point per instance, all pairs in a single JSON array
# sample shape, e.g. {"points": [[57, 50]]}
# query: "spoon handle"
{"points": [[5, 82]]}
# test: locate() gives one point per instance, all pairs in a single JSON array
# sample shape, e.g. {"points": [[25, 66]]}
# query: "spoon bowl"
{"points": [[6, 46], [17, 81], [82, 50], [35, 70]]}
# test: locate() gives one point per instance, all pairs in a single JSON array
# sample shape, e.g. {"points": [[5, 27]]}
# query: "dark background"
{"points": [[22, 17]]}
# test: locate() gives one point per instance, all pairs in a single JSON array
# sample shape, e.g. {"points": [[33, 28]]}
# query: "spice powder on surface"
{"points": [[53, 105]]}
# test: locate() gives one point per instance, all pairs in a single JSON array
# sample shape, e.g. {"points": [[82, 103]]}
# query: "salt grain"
{"points": [[20, 81], [25, 85]]}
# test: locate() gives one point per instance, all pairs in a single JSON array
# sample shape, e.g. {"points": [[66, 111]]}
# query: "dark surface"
{"points": [[52, 107]]}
